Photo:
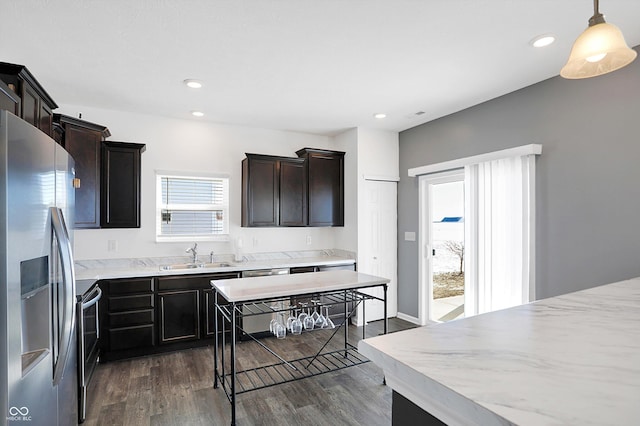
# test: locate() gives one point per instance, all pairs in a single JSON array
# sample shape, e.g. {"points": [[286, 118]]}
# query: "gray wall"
{"points": [[588, 176]]}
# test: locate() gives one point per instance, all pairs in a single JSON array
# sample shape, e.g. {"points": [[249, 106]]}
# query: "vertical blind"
{"points": [[500, 213], [193, 206]]}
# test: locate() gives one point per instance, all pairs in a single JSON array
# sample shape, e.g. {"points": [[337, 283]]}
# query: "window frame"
{"points": [[159, 206]]}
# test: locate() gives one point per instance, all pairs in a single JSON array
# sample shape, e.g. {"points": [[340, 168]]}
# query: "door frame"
{"points": [[425, 278]]}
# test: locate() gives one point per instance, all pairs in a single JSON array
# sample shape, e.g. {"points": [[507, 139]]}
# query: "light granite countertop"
{"points": [[568, 360], [98, 269]]}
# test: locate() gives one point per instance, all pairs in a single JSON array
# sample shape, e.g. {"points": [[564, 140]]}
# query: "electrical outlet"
{"points": [[256, 241], [308, 240], [112, 245]]}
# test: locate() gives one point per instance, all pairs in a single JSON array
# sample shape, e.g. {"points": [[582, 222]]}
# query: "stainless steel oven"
{"points": [[88, 337]]}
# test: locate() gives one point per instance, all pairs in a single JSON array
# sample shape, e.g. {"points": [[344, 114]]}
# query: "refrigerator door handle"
{"points": [[68, 280]]}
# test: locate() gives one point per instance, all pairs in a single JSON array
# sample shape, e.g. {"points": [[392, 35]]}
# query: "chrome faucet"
{"points": [[194, 252]]}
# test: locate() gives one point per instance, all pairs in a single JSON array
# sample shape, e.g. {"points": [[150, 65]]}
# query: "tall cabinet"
{"points": [[120, 180], [325, 190]]}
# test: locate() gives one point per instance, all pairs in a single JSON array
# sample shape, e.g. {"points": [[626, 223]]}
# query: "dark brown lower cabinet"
{"points": [[179, 316], [405, 412], [210, 312], [142, 316], [186, 306], [127, 318], [209, 307]]}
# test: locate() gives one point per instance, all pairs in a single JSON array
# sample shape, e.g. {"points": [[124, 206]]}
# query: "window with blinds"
{"points": [[192, 207]]}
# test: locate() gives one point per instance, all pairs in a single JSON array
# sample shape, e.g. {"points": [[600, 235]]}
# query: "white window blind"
{"points": [[192, 207]]}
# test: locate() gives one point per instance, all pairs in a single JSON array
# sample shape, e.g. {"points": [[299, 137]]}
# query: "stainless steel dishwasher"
{"points": [[258, 325]]}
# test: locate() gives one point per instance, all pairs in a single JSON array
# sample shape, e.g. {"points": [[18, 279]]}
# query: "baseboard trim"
{"points": [[409, 318]]}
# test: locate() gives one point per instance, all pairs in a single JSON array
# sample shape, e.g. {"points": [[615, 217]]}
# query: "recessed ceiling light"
{"points": [[194, 84], [197, 113], [543, 40], [380, 115]]}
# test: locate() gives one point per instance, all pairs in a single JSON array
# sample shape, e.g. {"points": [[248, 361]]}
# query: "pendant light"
{"points": [[600, 49]]}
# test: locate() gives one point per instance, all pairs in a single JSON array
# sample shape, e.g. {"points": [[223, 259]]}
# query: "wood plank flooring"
{"points": [[177, 388]]}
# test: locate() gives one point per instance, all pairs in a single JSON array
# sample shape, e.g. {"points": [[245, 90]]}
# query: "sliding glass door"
{"points": [[443, 235]]}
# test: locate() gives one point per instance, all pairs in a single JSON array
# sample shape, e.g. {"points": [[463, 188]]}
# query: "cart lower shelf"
{"points": [[279, 373]]}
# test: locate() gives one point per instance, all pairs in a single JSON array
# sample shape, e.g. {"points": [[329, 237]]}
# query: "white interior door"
{"points": [[378, 249]]}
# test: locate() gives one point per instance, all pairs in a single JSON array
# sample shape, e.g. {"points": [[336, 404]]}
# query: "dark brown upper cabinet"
{"points": [[325, 186], [9, 100], [120, 184], [83, 140], [35, 104], [273, 191], [293, 192]]}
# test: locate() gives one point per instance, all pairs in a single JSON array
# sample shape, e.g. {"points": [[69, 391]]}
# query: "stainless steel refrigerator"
{"points": [[38, 350]]}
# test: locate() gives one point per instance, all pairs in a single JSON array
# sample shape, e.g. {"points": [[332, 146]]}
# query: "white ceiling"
{"points": [[305, 65]]}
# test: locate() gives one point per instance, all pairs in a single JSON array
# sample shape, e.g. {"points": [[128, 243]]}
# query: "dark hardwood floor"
{"points": [[177, 388]]}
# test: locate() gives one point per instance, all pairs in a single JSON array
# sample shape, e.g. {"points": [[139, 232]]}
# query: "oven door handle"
{"points": [[93, 301], [89, 303]]}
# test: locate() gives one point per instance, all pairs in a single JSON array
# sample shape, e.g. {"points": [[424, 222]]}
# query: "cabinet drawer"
{"points": [[132, 337], [192, 283], [183, 283], [351, 267], [125, 303], [132, 318], [142, 285], [302, 269]]}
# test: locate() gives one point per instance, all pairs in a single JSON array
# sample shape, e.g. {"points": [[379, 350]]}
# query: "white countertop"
{"points": [[568, 360], [273, 286], [149, 267]]}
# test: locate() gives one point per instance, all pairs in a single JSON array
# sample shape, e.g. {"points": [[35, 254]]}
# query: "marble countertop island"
{"points": [[568, 360]]}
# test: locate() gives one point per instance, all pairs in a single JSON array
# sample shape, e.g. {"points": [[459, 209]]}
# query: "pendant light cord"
{"points": [[597, 17]]}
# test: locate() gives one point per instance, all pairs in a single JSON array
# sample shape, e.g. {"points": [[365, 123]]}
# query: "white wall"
{"points": [[192, 145], [347, 237], [378, 153]]}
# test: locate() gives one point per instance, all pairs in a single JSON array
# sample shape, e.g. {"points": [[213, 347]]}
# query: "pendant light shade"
{"points": [[600, 49]]}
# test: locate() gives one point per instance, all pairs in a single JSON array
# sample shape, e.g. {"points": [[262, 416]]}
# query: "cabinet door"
{"points": [[326, 184], [293, 193], [179, 315], [8, 99], [260, 192], [45, 119], [209, 305], [84, 146], [30, 106], [120, 180]]}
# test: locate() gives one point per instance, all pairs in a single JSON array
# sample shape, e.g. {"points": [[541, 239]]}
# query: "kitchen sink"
{"points": [[182, 266]]}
